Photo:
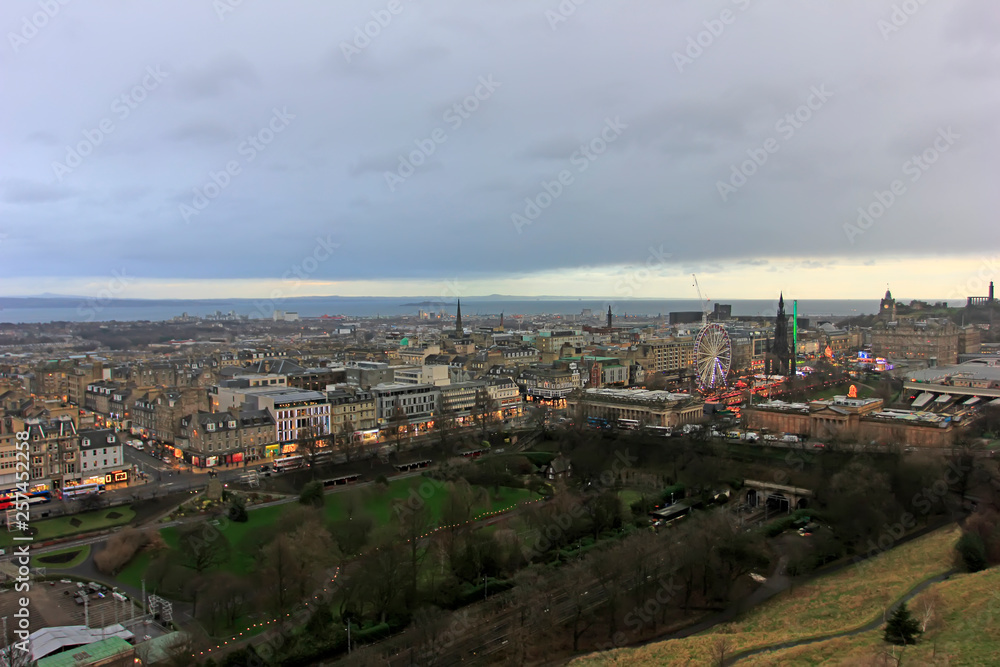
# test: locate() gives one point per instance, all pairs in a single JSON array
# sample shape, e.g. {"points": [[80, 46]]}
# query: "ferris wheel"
{"points": [[713, 353]]}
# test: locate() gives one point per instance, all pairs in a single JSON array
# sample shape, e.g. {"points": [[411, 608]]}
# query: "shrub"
{"points": [[238, 510], [972, 551], [120, 549], [312, 494]]}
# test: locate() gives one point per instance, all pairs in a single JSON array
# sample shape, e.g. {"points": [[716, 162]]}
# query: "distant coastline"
{"points": [[78, 309]]}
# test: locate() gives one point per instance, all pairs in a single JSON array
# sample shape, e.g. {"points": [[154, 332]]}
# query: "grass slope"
{"points": [[63, 526], [965, 631], [377, 501], [53, 560], [841, 601]]}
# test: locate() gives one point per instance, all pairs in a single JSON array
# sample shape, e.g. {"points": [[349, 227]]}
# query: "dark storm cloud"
{"points": [[205, 135]]}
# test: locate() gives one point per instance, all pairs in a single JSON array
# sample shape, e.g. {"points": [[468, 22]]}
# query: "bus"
{"points": [[662, 431], [288, 463], [82, 490], [598, 422], [34, 495], [321, 457], [629, 424]]}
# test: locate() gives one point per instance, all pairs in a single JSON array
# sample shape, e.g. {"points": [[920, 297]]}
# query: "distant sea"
{"points": [[73, 309]]}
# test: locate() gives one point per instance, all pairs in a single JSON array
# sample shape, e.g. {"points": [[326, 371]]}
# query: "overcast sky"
{"points": [[120, 121]]}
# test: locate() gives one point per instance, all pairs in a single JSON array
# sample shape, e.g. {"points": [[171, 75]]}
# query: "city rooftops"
{"points": [[98, 438], [640, 395], [286, 394], [911, 416], [982, 369]]}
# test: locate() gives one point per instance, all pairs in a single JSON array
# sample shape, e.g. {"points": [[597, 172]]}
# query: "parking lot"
{"points": [[52, 604]]}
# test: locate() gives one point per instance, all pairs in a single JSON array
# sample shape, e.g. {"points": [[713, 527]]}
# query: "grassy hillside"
{"points": [[964, 630], [840, 601]]}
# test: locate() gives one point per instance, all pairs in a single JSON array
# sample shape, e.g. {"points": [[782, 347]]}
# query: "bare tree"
{"points": [[202, 546], [721, 648], [484, 412], [400, 425], [310, 441], [349, 445]]}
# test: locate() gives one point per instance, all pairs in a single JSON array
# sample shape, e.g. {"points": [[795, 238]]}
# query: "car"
{"points": [[265, 468]]}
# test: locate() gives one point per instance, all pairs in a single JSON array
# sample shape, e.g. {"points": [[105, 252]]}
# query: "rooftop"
{"points": [[641, 395]]}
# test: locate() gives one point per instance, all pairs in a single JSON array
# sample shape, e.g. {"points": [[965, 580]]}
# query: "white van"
{"points": [[789, 438]]}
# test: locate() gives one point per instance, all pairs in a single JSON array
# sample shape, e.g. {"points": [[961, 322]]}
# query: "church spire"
{"points": [[609, 316], [458, 319]]}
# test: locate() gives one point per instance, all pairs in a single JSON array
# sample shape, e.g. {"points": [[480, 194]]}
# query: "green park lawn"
{"points": [[374, 500], [74, 524], [63, 559]]}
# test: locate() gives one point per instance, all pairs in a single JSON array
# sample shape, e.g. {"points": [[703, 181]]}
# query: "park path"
{"points": [[778, 582], [867, 627]]}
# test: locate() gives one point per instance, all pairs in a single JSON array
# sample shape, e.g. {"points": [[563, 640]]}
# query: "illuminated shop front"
{"points": [[106, 479]]}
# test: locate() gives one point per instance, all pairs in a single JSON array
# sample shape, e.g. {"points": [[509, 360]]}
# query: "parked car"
{"points": [[789, 438], [750, 436]]}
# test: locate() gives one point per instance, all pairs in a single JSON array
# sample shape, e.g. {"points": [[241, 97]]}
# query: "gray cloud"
{"points": [[657, 183]]}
